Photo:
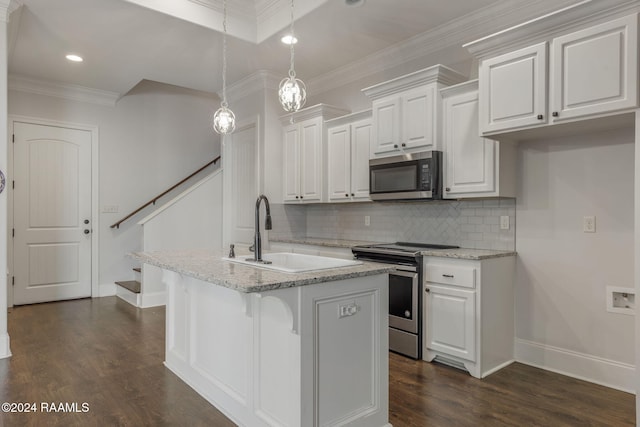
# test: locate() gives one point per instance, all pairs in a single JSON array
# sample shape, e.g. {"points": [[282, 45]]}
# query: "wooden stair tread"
{"points": [[137, 270], [132, 285]]}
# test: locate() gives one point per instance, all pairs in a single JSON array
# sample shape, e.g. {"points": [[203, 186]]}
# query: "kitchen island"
{"points": [[276, 349]]}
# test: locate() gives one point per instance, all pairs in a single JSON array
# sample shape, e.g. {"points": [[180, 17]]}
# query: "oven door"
{"points": [[403, 299]]}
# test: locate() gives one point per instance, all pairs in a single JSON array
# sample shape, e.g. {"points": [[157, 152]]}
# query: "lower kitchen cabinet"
{"points": [[468, 313]]}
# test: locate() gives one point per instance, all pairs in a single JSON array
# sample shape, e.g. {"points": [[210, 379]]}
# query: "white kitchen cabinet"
{"points": [[592, 72], [468, 313], [406, 111], [348, 140], [303, 153], [473, 166]]}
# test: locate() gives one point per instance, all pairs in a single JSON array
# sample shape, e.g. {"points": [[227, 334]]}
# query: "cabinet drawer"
{"points": [[451, 275]]}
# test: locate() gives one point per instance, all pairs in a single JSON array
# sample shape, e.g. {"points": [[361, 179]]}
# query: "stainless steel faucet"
{"points": [[257, 241]]}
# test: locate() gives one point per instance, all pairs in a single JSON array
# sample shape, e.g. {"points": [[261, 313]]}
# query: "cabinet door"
{"points": [[360, 142], [418, 109], [386, 132], [311, 160], [469, 158], [594, 71], [291, 164], [450, 321], [339, 162], [513, 90]]}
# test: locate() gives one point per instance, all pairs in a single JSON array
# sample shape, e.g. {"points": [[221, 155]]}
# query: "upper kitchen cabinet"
{"points": [[473, 166], [304, 154], [406, 111], [589, 59], [348, 140]]}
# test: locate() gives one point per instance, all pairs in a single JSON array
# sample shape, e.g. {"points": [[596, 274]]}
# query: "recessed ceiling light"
{"points": [[289, 39], [74, 58], [354, 2]]}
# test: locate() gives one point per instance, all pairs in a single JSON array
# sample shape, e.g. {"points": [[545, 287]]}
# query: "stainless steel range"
{"points": [[405, 298]]}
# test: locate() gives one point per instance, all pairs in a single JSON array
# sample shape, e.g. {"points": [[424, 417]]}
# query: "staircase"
{"points": [[193, 219]]}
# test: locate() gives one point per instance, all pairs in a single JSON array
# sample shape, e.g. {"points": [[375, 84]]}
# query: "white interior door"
{"points": [[52, 213], [242, 152]]}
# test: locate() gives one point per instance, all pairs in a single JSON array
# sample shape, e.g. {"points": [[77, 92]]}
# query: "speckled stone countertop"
{"points": [[460, 253], [208, 266]]}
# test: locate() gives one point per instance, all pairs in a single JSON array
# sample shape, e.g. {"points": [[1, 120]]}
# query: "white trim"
{"points": [[179, 197], [127, 296], [63, 90], [5, 349], [95, 188], [153, 299], [598, 370], [260, 80], [107, 290]]}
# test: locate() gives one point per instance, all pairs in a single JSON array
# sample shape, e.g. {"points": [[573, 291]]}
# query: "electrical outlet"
{"points": [[367, 220], [589, 224], [504, 222], [110, 209]]}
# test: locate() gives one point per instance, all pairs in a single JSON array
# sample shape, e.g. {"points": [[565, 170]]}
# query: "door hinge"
{"points": [[13, 137], [13, 232], [13, 280], [13, 185]]}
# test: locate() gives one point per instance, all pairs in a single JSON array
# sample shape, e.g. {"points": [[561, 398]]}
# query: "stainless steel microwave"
{"points": [[406, 177]]}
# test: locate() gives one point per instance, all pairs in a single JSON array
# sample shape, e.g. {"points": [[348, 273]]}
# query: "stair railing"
{"points": [[153, 201]]}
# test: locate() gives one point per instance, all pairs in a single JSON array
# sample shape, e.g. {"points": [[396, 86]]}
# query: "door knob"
{"points": [[86, 221], [86, 231]]}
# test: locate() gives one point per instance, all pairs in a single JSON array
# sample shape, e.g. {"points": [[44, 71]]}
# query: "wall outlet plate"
{"points": [[589, 224], [621, 300], [504, 222]]}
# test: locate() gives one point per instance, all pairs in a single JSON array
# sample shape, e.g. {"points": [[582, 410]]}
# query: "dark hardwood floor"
{"points": [[108, 354]]}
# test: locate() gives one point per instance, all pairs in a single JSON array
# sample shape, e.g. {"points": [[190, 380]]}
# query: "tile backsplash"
{"points": [[468, 223]]}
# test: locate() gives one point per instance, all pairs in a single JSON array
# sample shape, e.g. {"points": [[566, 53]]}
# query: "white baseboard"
{"points": [[128, 296], [153, 299], [106, 290], [5, 349], [609, 373]]}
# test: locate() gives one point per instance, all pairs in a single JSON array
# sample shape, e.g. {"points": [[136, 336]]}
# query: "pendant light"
{"points": [[224, 121], [292, 92]]}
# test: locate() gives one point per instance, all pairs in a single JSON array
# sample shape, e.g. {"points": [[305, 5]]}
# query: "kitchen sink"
{"points": [[294, 263]]}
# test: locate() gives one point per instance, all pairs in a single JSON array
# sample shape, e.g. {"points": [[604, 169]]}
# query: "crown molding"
{"points": [[325, 111], [5, 10], [452, 34], [561, 21], [434, 74], [62, 90], [260, 80]]}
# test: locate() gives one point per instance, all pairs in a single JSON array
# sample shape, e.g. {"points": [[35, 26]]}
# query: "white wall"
{"points": [[563, 272], [152, 138]]}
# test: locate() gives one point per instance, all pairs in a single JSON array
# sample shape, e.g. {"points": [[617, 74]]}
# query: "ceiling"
{"points": [[179, 42]]}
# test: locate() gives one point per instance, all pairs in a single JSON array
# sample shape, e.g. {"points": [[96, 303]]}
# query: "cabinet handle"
{"points": [[555, 114], [448, 275], [404, 145], [540, 117]]}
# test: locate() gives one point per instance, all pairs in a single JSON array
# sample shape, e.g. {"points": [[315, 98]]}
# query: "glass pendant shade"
{"points": [[224, 121], [292, 94]]}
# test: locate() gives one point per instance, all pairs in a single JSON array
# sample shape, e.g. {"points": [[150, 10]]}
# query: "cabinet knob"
{"points": [[447, 189], [352, 195], [555, 114], [346, 195], [302, 197], [395, 145], [427, 290], [404, 145], [540, 117], [297, 197]]}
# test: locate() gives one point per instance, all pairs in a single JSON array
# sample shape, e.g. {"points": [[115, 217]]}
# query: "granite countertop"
{"points": [[207, 265], [460, 253]]}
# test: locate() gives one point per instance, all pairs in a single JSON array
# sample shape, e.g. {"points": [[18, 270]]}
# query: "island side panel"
{"points": [[344, 333]]}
